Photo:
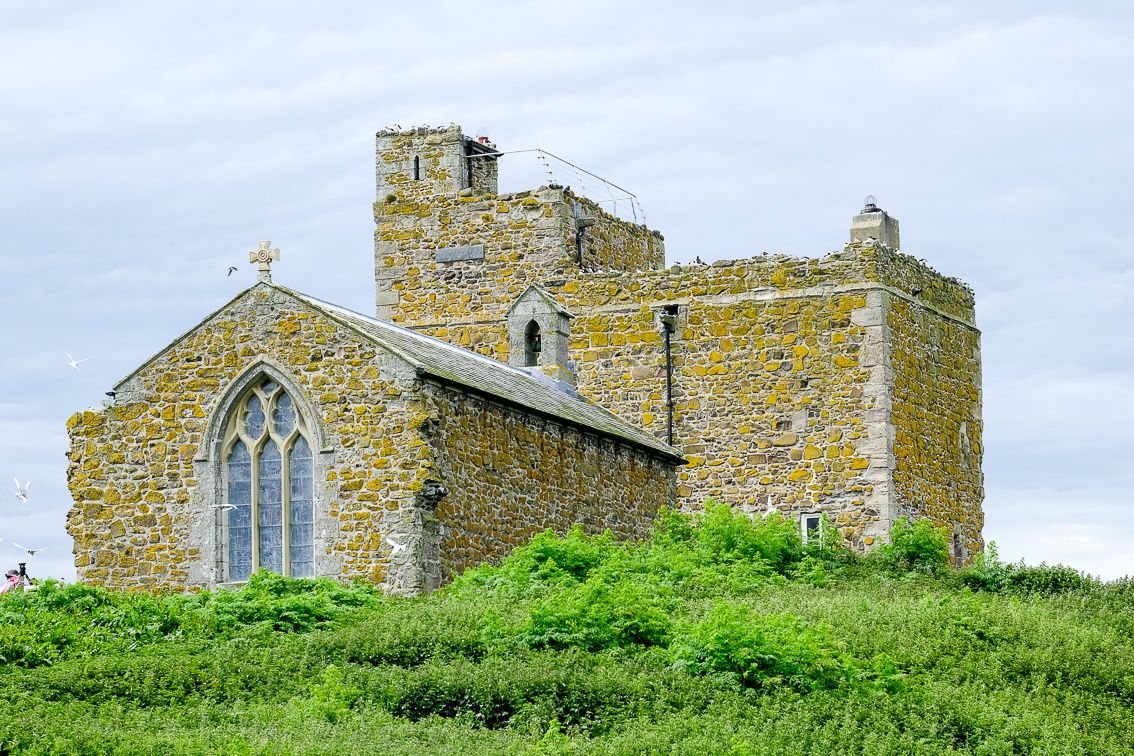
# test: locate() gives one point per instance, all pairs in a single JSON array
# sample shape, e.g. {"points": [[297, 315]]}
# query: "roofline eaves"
{"points": [[528, 409]]}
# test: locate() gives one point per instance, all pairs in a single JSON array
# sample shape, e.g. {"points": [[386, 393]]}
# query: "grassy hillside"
{"points": [[719, 636]]}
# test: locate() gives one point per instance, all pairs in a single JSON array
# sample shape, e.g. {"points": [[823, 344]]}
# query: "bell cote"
{"points": [[538, 329]]}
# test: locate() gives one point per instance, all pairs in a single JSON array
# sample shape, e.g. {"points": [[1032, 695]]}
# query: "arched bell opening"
{"points": [[533, 344]]}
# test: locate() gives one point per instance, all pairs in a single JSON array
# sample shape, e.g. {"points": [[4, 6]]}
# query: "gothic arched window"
{"points": [[268, 499], [533, 344]]}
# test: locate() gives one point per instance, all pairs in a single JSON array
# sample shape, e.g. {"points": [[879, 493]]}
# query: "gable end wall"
{"points": [[144, 478]]}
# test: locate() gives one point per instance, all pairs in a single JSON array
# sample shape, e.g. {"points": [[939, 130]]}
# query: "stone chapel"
{"points": [[532, 363]]}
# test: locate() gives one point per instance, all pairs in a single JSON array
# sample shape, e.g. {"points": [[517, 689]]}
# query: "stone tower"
{"points": [[847, 385]]}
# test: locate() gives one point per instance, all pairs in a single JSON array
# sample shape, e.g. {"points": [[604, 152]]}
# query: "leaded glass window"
{"points": [[268, 486]]}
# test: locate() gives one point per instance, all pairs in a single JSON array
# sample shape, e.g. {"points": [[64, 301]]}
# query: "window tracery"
{"points": [[268, 490]]}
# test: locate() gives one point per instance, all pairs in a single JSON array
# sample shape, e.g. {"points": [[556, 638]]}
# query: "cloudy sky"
{"points": [[144, 148]]}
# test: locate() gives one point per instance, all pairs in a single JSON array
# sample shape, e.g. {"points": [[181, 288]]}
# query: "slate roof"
{"points": [[453, 364]]}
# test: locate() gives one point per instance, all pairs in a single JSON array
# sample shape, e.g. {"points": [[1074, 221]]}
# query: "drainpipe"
{"points": [[669, 324]]}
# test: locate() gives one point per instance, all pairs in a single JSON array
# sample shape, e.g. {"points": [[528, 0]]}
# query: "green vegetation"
{"points": [[720, 635]]}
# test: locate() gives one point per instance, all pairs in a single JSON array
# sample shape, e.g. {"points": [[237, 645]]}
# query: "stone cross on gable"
{"points": [[264, 255]]}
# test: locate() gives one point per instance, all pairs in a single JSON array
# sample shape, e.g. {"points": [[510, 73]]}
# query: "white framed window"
{"points": [[811, 527], [267, 477]]}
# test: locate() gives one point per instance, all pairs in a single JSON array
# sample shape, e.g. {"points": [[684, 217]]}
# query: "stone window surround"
{"points": [[207, 532], [236, 431]]}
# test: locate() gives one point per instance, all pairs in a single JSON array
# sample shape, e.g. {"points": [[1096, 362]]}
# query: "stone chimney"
{"points": [[873, 222]]}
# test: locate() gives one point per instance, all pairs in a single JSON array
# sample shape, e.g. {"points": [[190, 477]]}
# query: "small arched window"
{"points": [[533, 344], [416, 168], [268, 499]]}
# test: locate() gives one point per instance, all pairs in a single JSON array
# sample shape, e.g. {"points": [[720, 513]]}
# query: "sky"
{"points": [[145, 147]]}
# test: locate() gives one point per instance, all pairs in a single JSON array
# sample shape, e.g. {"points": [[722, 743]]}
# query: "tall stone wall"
{"points": [[511, 475], [784, 377], [144, 472], [464, 253], [938, 428], [441, 244], [776, 379], [812, 384]]}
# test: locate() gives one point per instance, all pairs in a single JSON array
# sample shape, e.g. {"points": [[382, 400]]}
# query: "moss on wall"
{"points": [[553, 476], [783, 386], [937, 420]]}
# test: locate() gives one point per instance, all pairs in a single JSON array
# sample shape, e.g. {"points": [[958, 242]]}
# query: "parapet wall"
{"points": [[611, 243]]}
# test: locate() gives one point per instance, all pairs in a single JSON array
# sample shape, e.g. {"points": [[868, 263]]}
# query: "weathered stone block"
{"points": [[464, 252]]}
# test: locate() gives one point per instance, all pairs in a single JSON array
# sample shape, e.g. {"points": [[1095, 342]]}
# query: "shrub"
{"points": [[672, 528], [598, 615], [727, 535], [1119, 593], [331, 698], [991, 575], [578, 689], [812, 570], [58, 621], [987, 573], [548, 560], [280, 603], [915, 547], [1047, 580], [409, 632], [552, 558], [760, 650]]}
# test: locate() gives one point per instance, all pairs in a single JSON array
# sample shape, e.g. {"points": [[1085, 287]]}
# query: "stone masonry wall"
{"points": [[144, 478], [511, 475], [937, 420], [783, 387], [509, 232], [794, 378], [775, 384], [611, 243], [441, 244]]}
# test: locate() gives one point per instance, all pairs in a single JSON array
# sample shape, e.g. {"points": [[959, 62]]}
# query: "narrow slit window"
{"points": [[416, 168], [269, 500]]}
